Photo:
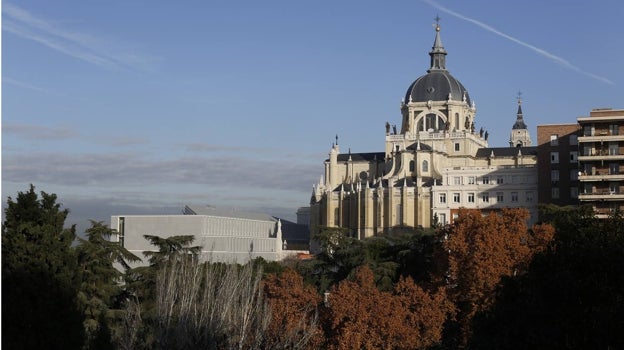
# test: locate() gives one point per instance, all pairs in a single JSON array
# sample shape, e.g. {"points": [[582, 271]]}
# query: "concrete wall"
{"points": [[223, 239]]}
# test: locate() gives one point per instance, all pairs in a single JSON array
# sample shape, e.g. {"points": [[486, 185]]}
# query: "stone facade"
{"points": [[375, 193]]}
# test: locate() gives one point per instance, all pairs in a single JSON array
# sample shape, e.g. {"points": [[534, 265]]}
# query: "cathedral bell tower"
{"points": [[519, 132]]}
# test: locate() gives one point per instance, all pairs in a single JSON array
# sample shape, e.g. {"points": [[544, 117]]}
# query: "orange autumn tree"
{"points": [[483, 249], [359, 316], [294, 318]]}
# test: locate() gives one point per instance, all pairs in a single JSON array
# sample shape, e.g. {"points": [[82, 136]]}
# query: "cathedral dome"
{"points": [[436, 85]]}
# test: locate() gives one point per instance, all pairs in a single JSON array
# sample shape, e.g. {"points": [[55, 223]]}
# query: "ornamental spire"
{"points": [[438, 53], [519, 124]]}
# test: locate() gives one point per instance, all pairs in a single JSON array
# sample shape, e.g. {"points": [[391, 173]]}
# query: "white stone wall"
{"points": [[517, 185]]}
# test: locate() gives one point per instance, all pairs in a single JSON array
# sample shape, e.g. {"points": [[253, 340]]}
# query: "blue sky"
{"points": [[124, 107]]}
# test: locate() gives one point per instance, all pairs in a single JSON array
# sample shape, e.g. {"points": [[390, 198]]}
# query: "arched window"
{"points": [[411, 165], [431, 121], [425, 166], [457, 121]]}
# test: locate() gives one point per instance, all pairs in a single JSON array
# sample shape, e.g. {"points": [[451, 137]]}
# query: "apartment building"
{"points": [[557, 164], [601, 160]]}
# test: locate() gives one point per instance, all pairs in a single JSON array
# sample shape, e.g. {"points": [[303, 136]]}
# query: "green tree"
{"points": [[170, 247], [100, 280], [39, 279]]}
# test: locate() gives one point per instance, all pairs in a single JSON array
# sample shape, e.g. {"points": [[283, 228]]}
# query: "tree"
{"points": [[294, 309], [39, 279], [141, 281], [572, 295], [100, 279], [170, 247], [481, 251], [212, 306], [359, 316]]}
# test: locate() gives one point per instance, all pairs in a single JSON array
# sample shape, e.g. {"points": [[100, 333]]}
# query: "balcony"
{"points": [[604, 195], [601, 136], [601, 154], [601, 177]]}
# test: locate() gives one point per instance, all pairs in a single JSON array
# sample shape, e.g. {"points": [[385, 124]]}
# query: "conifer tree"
{"points": [[39, 280]]}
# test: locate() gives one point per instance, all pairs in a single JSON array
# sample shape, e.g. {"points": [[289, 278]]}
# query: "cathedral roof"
{"points": [[505, 151], [371, 156], [438, 83], [423, 147]]}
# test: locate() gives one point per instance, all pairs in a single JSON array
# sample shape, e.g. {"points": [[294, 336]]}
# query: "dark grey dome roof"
{"points": [[436, 86], [519, 124]]}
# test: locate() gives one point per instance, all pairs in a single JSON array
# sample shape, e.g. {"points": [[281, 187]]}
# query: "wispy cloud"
{"points": [[75, 44], [24, 85], [207, 147], [38, 132], [132, 170], [558, 60]]}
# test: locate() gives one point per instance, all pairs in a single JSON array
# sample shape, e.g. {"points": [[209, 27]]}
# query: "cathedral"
{"points": [[435, 164]]}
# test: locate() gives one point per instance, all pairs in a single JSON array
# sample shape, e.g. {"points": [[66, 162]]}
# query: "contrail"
{"points": [[558, 60]]}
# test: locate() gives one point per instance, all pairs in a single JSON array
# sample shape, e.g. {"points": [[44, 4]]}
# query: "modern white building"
{"points": [[224, 235]]}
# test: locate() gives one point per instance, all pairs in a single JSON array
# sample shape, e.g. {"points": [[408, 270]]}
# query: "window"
{"points": [[430, 122], [457, 180], [588, 130], [457, 121], [337, 217], [514, 196], [411, 165], [442, 220], [613, 129], [554, 175], [614, 188], [442, 198], [485, 197], [573, 140], [399, 214], [485, 180], [499, 180], [529, 196], [573, 192], [425, 166], [573, 156], [554, 140], [614, 168], [456, 147], [499, 197], [515, 179], [554, 192], [456, 198], [554, 157], [471, 197], [122, 230], [573, 174], [613, 148], [471, 180]]}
